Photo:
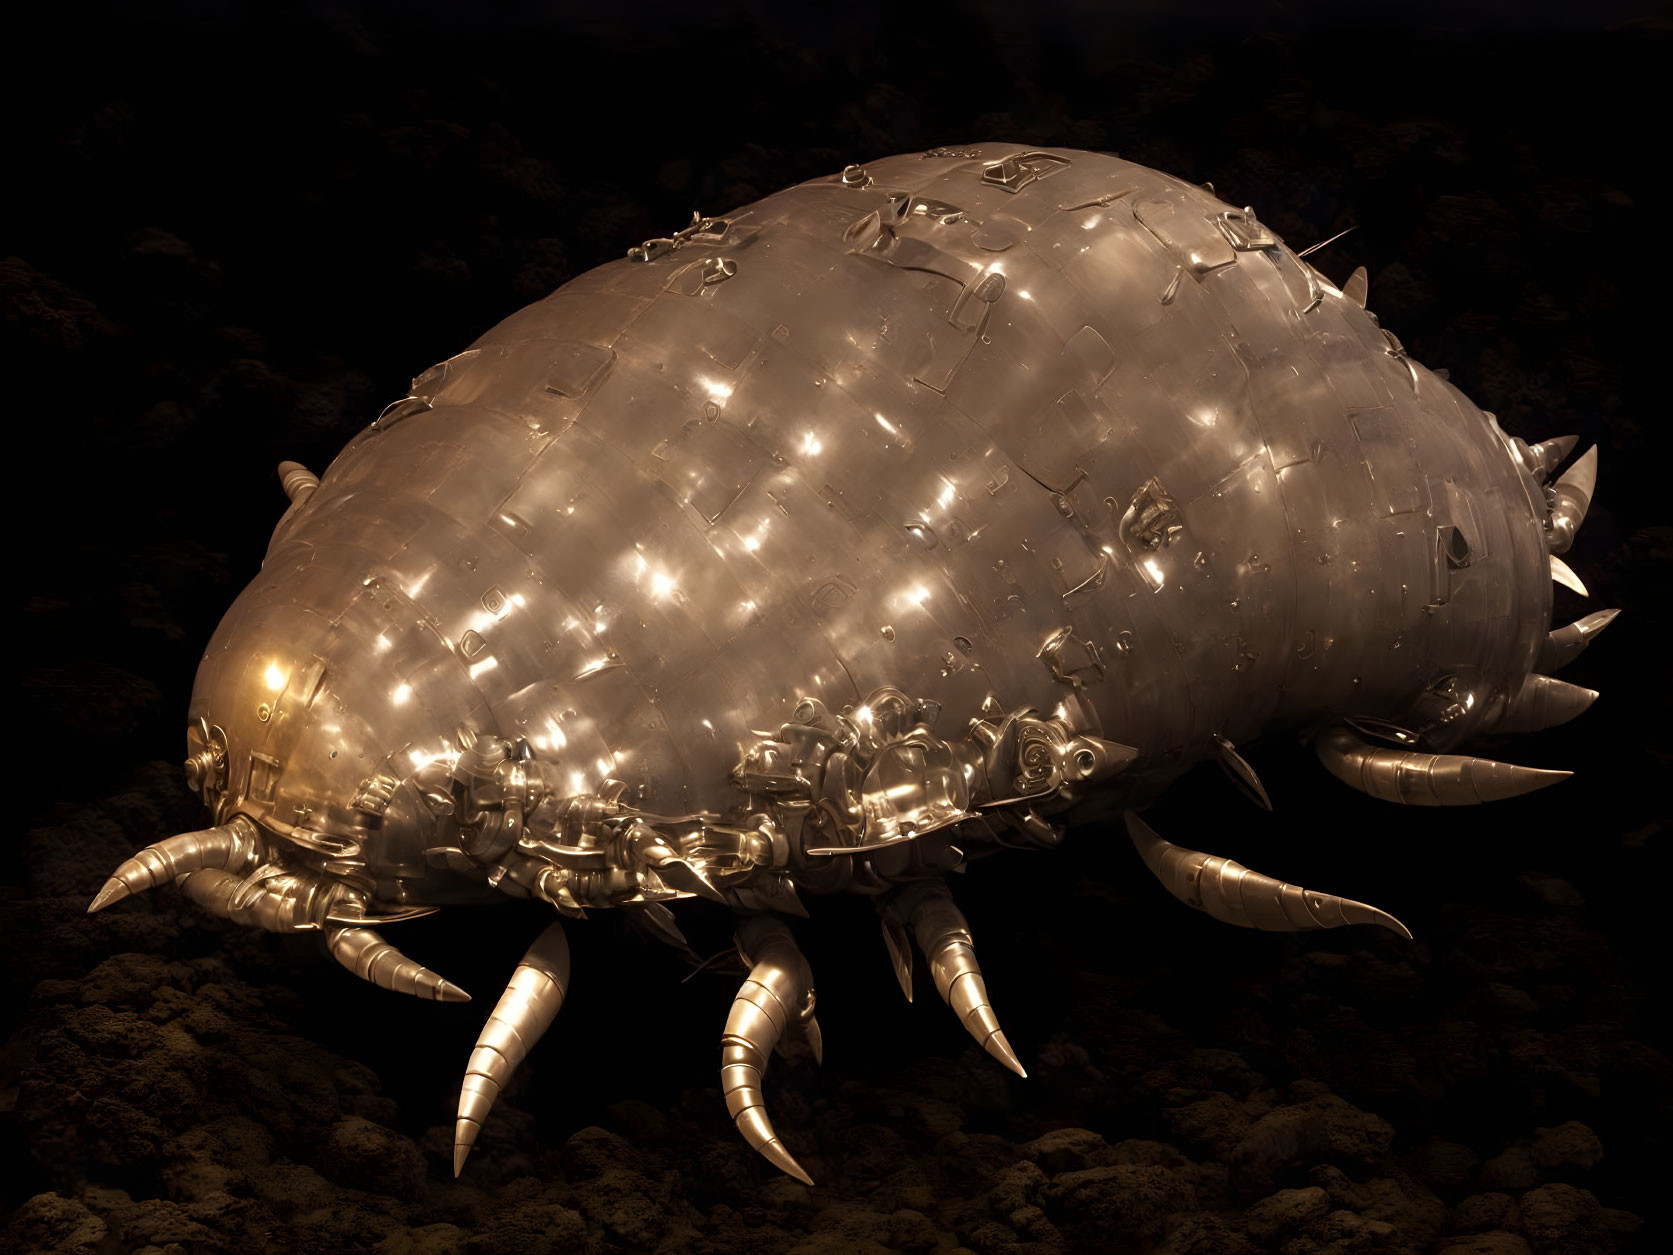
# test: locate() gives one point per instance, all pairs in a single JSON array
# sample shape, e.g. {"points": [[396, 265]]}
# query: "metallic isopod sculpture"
{"points": [[857, 534]]}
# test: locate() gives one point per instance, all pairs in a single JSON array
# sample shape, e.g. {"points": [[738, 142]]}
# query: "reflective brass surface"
{"points": [[834, 542]]}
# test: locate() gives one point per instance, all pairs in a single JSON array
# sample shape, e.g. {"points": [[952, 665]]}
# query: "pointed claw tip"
{"points": [[774, 1152], [1001, 1050], [1383, 919], [464, 1138], [1564, 574], [114, 891]]}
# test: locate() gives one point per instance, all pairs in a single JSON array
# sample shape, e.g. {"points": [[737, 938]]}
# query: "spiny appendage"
{"points": [[1240, 773], [1544, 703], [231, 871], [1564, 574], [1545, 457], [777, 994], [235, 846], [1233, 894], [944, 937], [524, 1012], [1570, 498], [900, 949], [1413, 778], [1563, 645], [372, 958]]}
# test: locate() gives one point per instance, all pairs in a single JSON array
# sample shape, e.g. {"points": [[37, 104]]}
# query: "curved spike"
{"points": [[234, 846], [1565, 644], [525, 1011], [372, 958], [654, 920], [1546, 456], [1544, 703], [944, 937], [1573, 497], [900, 951], [1416, 779], [686, 877], [1564, 575], [1233, 894], [1358, 287], [1240, 773], [353, 915], [778, 986]]}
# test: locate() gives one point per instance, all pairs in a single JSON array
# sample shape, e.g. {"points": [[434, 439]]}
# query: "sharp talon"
{"points": [[1548, 455], [1565, 644], [1240, 773], [234, 846], [1000, 1049], [1573, 491], [678, 874], [524, 1012], [1415, 779], [944, 937], [900, 951], [114, 891], [372, 958], [1544, 703], [777, 987], [1233, 894], [774, 1152], [1564, 575]]}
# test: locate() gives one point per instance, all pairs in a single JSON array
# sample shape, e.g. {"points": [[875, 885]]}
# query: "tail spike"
{"points": [[778, 987], [525, 1011], [944, 937], [1417, 779], [1564, 575], [372, 958], [1573, 497], [1544, 703], [235, 846], [1566, 644], [1233, 894]]}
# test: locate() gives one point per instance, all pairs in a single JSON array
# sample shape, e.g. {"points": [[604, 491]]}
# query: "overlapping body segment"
{"points": [[865, 530]]}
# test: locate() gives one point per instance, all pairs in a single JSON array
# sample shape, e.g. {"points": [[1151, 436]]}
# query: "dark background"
{"points": [[233, 235]]}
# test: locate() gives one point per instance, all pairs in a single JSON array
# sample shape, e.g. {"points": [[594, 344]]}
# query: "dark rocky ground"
{"points": [[235, 240]]}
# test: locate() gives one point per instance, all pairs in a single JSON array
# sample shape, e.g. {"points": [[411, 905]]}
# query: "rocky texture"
{"points": [[239, 243]]}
